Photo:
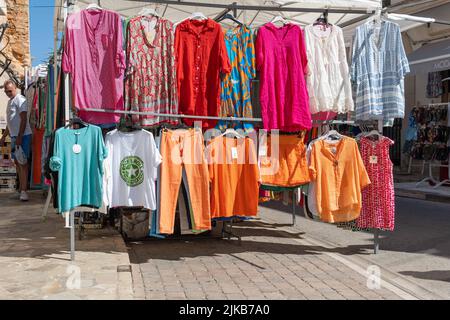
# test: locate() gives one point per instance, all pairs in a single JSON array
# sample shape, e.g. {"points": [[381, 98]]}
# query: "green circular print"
{"points": [[131, 170]]}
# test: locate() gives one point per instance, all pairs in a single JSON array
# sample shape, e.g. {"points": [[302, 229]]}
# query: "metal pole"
{"points": [[376, 243], [293, 208], [256, 8], [72, 235], [376, 232]]}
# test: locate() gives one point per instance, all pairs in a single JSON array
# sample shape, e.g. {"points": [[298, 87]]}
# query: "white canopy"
{"points": [[177, 12]]}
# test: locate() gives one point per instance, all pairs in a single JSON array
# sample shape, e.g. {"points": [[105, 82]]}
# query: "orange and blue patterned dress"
{"points": [[236, 86]]}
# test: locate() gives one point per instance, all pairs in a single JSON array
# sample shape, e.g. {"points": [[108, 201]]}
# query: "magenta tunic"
{"points": [[94, 56], [281, 60]]}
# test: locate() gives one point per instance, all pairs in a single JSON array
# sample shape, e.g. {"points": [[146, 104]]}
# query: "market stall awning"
{"points": [[176, 10], [430, 57]]}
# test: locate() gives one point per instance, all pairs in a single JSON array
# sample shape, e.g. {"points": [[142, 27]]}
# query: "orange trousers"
{"points": [[184, 148], [284, 163]]}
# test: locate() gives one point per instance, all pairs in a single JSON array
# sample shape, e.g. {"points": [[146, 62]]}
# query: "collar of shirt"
{"points": [[187, 25]]}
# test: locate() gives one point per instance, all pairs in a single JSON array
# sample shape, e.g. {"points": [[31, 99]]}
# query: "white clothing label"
{"points": [[76, 148], [333, 150], [263, 151], [373, 159], [234, 153]]}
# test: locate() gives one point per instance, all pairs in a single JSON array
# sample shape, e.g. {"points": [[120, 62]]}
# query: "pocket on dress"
{"points": [[106, 40]]}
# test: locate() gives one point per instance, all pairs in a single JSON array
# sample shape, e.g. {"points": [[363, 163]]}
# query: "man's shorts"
{"points": [[26, 145]]}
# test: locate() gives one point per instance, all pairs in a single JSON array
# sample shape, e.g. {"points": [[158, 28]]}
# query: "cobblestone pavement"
{"points": [[270, 263], [35, 261]]}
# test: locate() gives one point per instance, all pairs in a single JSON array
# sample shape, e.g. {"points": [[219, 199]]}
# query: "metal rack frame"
{"points": [[227, 7]]}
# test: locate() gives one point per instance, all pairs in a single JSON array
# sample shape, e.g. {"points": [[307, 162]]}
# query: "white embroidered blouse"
{"points": [[328, 76]]}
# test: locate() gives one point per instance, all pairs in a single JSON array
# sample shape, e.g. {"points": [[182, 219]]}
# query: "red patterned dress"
{"points": [[378, 199], [151, 84]]}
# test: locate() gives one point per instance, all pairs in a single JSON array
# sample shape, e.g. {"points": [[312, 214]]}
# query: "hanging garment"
{"points": [[150, 85], [234, 176], [78, 157], [236, 85], [328, 77], [340, 175], [434, 85], [183, 149], [201, 58], [281, 59], [378, 200], [285, 165], [133, 160], [50, 102], [379, 64], [312, 198], [36, 145], [94, 56]]}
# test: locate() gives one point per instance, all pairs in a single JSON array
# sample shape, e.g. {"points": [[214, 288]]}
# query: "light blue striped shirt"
{"points": [[377, 71]]}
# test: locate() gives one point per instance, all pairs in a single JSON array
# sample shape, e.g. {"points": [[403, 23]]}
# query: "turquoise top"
{"points": [[80, 174]]}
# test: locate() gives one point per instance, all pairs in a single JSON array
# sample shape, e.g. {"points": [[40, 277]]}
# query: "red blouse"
{"points": [[201, 54]]}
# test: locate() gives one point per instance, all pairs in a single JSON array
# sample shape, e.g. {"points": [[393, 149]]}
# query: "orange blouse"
{"points": [[340, 176], [234, 177]]}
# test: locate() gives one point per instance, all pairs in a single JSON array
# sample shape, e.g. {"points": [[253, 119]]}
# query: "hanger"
{"points": [[193, 16], [322, 20], [125, 125], [333, 135], [76, 121], [94, 6], [233, 132], [279, 18], [229, 16], [374, 133], [148, 12], [198, 16]]}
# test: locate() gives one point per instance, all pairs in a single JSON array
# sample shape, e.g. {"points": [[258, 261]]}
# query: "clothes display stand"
{"points": [[231, 7]]}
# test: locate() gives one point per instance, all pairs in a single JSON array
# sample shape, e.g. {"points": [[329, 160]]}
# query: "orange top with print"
{"points": [[234, 176], [340, 176]]}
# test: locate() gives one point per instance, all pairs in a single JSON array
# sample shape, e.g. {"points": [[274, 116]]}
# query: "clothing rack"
{"points": [[170, 115], [68, 7], [430, 163]]}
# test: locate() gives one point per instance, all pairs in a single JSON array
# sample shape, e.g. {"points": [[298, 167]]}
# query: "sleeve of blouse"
{"points": [[349, 105], [55, 162], [178, 58], [118, 41], [259, 49], [250, 52], [353, 66], [67, 57], [403, 64], [225, 65], [313, 164], [364, 180], [129, 47], [303, 55]]}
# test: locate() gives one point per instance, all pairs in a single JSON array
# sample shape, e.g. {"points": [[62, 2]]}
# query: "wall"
{"points": [[18, 32], [18, 47]]}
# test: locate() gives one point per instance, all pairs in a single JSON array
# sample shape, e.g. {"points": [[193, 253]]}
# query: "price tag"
{"points": [[373, 159], [234, 153], [263, 151], [76, 148]]}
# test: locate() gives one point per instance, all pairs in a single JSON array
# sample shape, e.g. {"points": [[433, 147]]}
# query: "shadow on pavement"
{"points": [[438, 275]]}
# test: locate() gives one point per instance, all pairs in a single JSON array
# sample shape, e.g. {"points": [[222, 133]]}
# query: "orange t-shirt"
{"points": [[234, 176], [340, 176]]}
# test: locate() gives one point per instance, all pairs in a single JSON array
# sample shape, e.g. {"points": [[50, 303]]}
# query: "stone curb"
{"points": [[392, 279], [421, 195]]}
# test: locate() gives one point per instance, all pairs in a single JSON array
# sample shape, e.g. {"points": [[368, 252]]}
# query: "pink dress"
{"points": [[281, 60], [94, 56], [378, 199]]}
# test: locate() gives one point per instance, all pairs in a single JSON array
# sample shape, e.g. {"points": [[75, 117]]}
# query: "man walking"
{"points": [[20, 131]]}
